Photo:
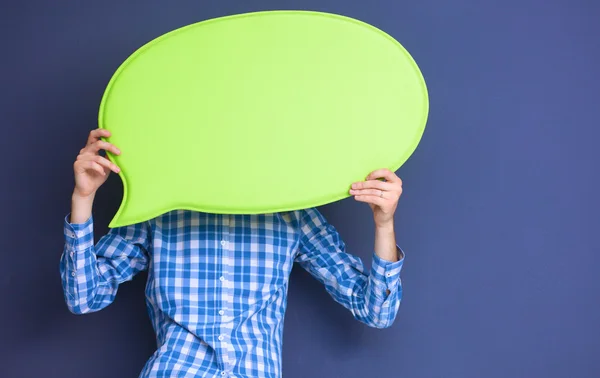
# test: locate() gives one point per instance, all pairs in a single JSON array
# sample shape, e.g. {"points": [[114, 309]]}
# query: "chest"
{"points": [[200, 250]]}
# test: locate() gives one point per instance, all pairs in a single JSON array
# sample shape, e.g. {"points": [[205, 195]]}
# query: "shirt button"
{"points": [[223, 243], [73, 274], [222, 278], [221, 338], [388, 274], [221, 312], [223, 373]]}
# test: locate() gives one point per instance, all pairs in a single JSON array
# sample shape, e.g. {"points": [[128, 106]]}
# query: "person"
{"points": [[217, 284]]}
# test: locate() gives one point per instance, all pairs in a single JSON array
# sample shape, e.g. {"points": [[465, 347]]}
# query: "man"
{"points": [[217, 284]]}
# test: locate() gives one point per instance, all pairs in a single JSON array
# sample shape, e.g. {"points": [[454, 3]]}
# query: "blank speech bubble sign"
{"points": [[260, 112]]}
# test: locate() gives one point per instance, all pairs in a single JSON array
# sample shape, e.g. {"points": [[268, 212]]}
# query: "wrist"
{"points": [[385, 226], [81, 207], [77, 197]]}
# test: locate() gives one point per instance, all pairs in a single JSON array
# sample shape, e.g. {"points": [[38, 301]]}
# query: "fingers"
{"points": [[107, 163], [95, 135], [100, 145], [373, 184], [385, 174], [388, 195], [95, 143], [374, 200], [101, 161], [85, 165], [380, 194], [366, 192], [89, 159]]}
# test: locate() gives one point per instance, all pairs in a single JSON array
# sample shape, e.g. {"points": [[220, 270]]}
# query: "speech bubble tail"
{"points": [[116, 220]]}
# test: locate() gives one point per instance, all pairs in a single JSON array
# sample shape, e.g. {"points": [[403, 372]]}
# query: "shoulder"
{"points": [[311, 222], [310, 216]]}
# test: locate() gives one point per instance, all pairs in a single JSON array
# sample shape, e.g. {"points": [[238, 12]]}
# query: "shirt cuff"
{"points": [[386, 274], [79, 236]]}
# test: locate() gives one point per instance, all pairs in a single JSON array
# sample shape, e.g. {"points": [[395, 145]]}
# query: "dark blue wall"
{"points": [[499, 217]]}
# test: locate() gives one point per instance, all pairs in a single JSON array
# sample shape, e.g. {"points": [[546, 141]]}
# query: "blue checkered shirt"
{"points": [[217, 284]]}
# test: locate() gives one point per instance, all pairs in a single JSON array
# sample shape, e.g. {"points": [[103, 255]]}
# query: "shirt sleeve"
{"points": [[372, 297], [92, 273]]}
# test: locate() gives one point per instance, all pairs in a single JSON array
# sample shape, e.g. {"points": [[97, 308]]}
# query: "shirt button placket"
{"points": [[227, 283]]}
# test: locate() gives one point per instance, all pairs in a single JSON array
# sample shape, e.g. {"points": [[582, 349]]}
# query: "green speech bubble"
{"points": [[260, 112]]}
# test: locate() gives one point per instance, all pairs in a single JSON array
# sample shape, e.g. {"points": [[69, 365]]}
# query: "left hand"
{"points": [[382, 196]]}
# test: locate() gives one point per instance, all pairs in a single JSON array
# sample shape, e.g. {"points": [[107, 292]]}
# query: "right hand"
{"points": [[91, 169]]}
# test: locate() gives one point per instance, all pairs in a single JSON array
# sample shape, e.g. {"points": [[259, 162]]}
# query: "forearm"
{"points": [[92, 272], [385, 242], [372, 297], [79, 265], [81, 207], [81, 286]]}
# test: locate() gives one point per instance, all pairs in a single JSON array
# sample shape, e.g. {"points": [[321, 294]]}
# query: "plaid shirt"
{"points": [[217, 284]]}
